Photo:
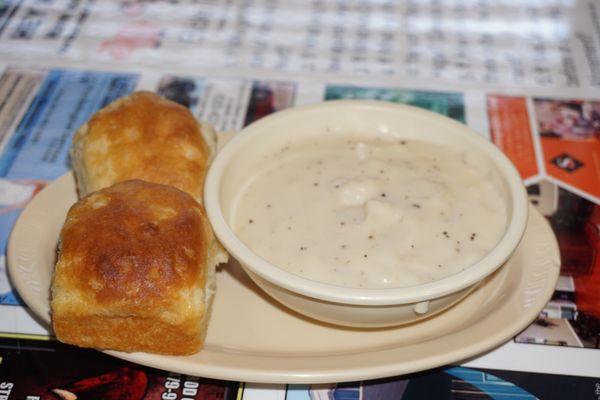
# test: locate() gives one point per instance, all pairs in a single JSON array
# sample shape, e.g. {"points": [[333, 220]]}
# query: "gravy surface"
{"points": [[369, 213]]}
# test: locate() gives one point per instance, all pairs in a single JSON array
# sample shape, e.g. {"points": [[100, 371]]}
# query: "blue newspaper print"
{"points": [[38, 149]]}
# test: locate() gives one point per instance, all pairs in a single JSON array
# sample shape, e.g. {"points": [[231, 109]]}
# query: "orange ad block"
{"points": [[510, 130], [570, 137], [574, 162]]}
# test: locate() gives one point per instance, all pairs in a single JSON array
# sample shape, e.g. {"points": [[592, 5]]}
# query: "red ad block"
{"points": [[511, 132]]}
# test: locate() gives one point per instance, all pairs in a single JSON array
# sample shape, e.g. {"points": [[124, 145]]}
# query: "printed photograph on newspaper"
{"points": [[453, 383], [568, 133], [228, 104], [450, 104], [53, 371], [41, 111]]}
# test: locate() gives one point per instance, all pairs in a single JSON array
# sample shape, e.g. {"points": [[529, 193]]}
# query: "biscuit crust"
{"points": [[133, 263], [142, 136]]}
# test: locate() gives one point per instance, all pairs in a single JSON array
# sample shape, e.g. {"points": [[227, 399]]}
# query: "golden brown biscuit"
{"points": [[135, 271], [142, 136]]}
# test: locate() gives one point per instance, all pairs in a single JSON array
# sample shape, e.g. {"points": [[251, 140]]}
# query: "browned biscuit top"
{"points": [[133, 247], [144, 136]]}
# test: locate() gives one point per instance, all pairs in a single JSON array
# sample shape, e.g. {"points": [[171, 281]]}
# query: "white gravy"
{"points": [[369, 213]]}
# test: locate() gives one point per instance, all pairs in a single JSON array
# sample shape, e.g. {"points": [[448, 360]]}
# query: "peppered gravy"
{"points": [[369, 213]]}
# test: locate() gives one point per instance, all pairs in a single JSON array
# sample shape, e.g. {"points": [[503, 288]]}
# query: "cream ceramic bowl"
{"points": [[353, 306]]}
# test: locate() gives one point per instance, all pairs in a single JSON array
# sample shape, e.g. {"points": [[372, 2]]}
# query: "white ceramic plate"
{"points": [[251, 338]]}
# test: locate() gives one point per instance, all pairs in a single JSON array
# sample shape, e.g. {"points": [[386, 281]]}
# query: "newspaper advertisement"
{"points": [[52, 371], [524, 75]]}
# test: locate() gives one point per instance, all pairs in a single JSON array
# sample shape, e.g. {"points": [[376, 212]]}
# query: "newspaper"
{"points": [[525, 75], [49, 370], [533, 44]]}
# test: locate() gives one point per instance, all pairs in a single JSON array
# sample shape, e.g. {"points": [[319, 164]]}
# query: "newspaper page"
{"points": [[49, 370], [527, 44], [525, 75]]}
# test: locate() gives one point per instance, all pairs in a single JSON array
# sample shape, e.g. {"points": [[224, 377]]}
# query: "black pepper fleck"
{"points": [[364, 255], [251, 221], [383, 194], [416, 205]]}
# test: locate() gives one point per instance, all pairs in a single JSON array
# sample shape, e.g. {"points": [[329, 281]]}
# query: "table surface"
{"points": [[525, 75]]}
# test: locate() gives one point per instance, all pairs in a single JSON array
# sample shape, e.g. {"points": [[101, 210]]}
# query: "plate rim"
{"points": [[349, 372]]}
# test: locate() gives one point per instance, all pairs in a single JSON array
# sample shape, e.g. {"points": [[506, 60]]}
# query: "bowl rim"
{"points": [[365, 296]]}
